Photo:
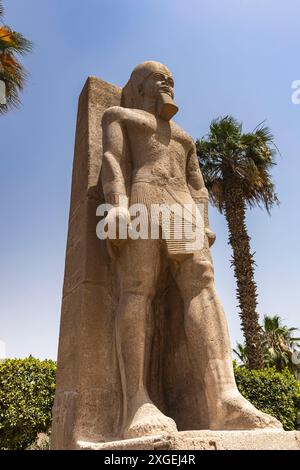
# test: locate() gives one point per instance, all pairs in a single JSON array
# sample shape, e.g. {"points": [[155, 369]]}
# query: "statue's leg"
{"points": [[138, 270], [210, 349]]}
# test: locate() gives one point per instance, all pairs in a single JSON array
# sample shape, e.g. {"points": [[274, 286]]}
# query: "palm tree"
{"points": [[12, 73], [236, 169], [280, 347], [279, 343], [242, 355]]}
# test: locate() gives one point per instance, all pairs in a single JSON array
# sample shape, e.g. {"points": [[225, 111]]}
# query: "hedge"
{"points": [[26, 397], [275, 393], [27, 391]]}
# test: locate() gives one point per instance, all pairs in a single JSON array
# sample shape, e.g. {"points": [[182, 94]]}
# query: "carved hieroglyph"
{"points": [[144, 347]]}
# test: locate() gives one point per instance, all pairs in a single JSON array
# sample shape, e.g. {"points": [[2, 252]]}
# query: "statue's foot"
{"points": [[147, 421], [234, 412]]}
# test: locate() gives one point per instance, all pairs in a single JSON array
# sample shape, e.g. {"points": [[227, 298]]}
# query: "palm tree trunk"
{"points": [[243, 262]]}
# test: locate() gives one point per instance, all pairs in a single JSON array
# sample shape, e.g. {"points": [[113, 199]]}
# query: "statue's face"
{"points": [[157, 83]]}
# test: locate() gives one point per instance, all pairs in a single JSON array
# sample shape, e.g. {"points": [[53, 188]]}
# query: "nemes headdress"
{"points": [[131, 96]]}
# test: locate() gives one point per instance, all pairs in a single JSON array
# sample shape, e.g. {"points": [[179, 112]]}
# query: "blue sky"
{"points": [[236, 57]]}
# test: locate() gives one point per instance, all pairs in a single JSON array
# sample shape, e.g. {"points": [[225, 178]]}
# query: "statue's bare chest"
{"points": [[157, 135]]}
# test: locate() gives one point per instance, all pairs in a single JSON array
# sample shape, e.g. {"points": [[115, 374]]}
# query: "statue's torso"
{"points": [[158, 149], [154, 155]]}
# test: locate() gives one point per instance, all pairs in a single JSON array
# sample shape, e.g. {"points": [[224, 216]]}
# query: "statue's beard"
{"points": [[166, 108]]}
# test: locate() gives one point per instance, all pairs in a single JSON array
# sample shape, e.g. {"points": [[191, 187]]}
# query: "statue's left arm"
{"points": [[198, 190]]}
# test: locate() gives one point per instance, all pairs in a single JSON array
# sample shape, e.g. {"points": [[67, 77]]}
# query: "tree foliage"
{"points": [[281, 349], [227, 153], [275, 393], [12, 72], [26, 397]]}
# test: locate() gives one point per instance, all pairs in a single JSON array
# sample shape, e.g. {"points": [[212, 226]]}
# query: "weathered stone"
{"points": [[87, 366], [206, 440]]}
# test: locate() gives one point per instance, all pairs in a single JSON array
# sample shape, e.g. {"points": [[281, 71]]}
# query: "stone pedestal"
{"points": [[206, 440]]}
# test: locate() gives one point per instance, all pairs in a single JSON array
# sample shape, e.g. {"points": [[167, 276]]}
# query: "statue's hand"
{"points": [[118, 217], [211, 236]]}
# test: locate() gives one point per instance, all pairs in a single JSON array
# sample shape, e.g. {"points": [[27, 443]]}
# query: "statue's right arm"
{"points": [[114, 150]]}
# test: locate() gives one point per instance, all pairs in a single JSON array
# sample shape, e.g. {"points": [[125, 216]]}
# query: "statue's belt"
{"points": [[143, 197]]}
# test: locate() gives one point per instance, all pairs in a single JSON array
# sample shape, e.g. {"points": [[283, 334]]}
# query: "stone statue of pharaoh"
{"points": [[149, 159]]}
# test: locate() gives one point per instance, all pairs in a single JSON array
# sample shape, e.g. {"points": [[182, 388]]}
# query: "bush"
{"points": [[26, 397], [275, 393]]}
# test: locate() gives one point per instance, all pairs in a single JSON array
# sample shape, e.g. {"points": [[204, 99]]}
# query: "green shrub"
{"points": [[275, 393], [26, 397]]}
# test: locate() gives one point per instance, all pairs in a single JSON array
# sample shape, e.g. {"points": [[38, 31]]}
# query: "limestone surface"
{"points": [[206, 440]]}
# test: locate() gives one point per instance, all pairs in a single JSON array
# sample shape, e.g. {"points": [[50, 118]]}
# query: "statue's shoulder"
{"points": [[117, 113], [181, 134]]}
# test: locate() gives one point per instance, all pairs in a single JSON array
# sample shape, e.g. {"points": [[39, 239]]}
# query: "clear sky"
{"points": [[236, 57]]}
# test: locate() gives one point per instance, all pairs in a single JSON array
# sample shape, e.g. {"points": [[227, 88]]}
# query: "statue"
{"points": [[149, 159]]}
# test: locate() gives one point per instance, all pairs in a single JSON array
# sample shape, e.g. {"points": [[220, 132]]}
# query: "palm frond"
{"points": [[12, 73], [11, 41], [242, 354], [247, 157], [278, 345]]}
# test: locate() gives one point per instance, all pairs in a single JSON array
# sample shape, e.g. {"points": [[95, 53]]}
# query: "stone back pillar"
{"points": [[87, 375]]}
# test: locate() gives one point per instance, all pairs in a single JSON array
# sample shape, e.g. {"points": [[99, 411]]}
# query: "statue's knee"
{"points": [[208, 272], [204, 272], [195, 277]]}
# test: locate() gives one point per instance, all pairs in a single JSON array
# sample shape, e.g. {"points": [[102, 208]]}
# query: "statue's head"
{"points": [[151, 85]]}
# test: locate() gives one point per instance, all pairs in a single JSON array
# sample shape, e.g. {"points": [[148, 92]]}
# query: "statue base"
{"points": [[205, 440]]}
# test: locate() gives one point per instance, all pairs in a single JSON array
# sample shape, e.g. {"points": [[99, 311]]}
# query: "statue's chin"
{"points": [[166, 107]]}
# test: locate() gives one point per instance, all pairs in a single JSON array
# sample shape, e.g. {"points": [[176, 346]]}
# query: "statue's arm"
{"points": [[198, 190], [194, 177], [114, 150]]}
